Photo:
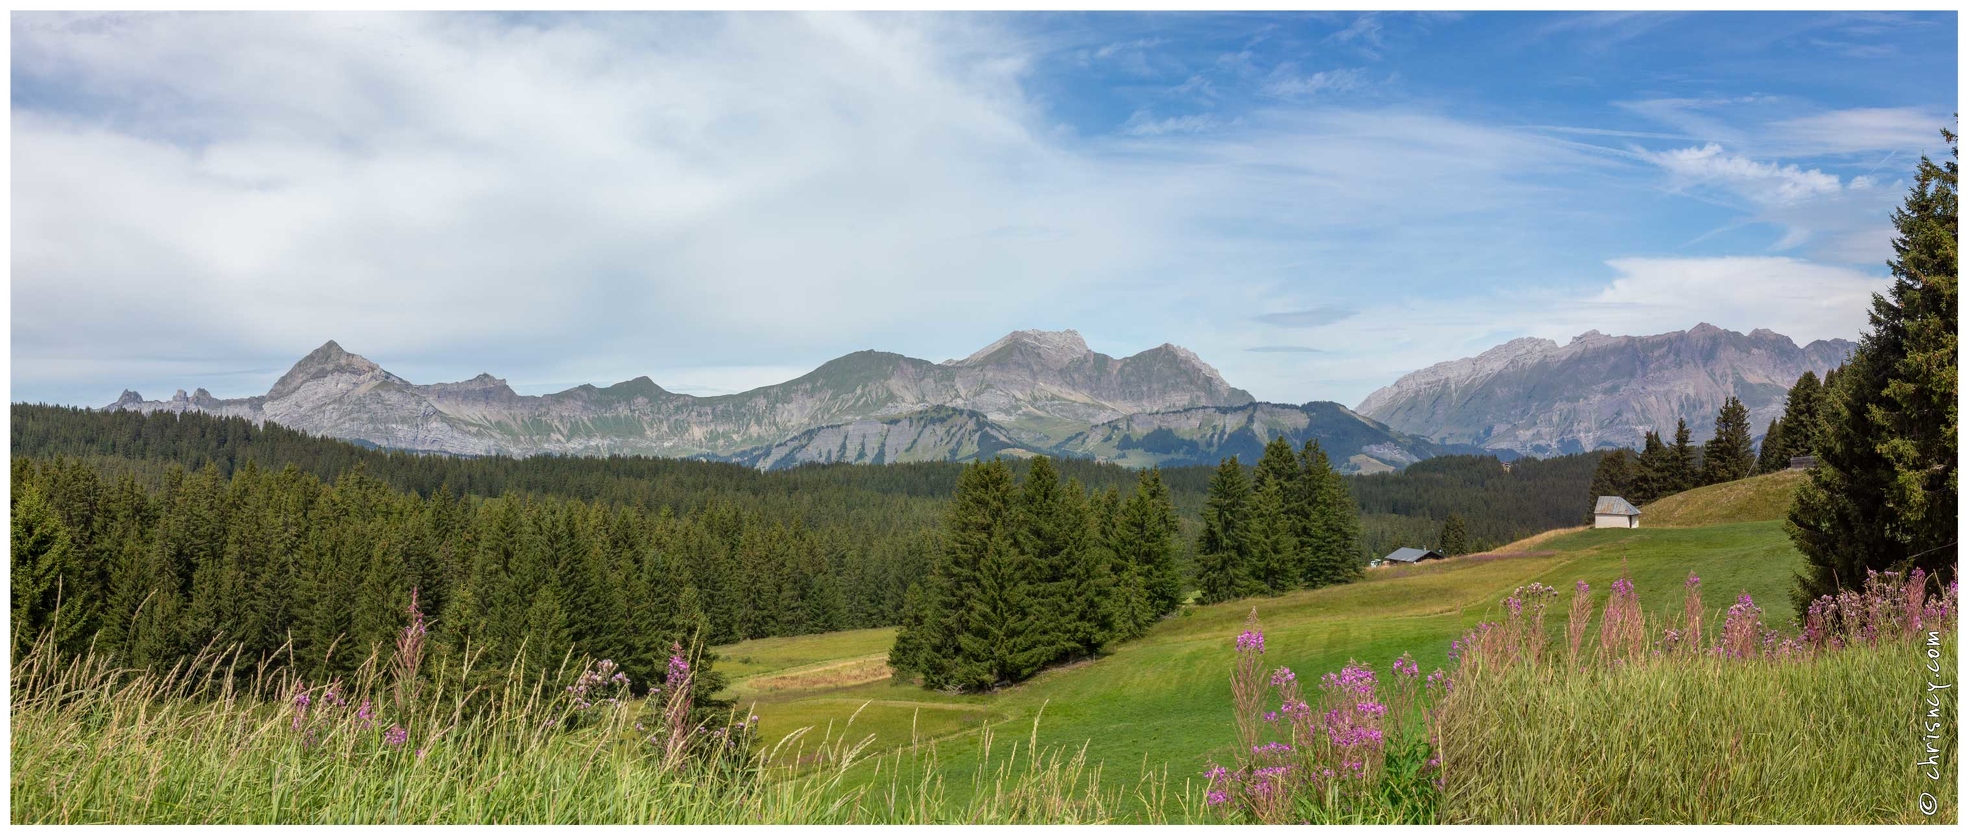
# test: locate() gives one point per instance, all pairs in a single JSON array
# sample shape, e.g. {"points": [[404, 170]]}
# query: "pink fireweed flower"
{"points": [[1216, 797], [1216, 774], [1251, 640], [1271, 716], [1282, 676], [1405, 666], [1581, 587], [1271, 748], [678, 669], [396, 736]]}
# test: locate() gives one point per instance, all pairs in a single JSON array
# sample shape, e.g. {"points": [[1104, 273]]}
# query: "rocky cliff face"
{"points": [[1034, 386], [1538, 397], [1207, 435]]}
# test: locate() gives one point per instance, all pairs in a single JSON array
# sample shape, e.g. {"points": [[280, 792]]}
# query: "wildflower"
{"points": [[1581, 587], [364, 714], [396, 736], [1282, 676], [1405, 666], [1216, 797], [1251, 640], [679, 669], [1271, 748], [1216, 773]]}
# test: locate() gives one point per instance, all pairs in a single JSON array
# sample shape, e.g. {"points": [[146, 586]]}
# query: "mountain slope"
{"points": [[1206, 435], [1039, 386], [1535, 396]]}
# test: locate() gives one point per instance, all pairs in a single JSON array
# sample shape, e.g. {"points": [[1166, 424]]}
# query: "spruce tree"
{"points": [[1801, 421], [1271, 551], [1222, 568], [1883, 495], [1682, 467], [1652, 473], [1455, 537], [1729, 456], [41, 556], [1146, 532], [1334, 532], [992, 587], [1771, 451]]}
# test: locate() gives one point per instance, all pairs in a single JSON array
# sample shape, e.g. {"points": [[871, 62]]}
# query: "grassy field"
{"points": [[1765, 497], [1161, 702], [1122, 738]]}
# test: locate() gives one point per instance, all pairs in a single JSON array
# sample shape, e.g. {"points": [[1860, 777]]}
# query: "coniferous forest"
{"points": [[154, 536]]}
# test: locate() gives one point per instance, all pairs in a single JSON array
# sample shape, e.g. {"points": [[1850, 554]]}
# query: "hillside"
{"points": [[1756, 499], [1164, 699], [1538, 397]]}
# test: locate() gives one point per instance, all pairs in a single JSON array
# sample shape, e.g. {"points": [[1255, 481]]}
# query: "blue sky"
{"points": [[1315, 203]]}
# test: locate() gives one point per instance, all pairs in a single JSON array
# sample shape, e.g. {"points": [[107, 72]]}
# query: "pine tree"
{"points": [[1334, 530], [1801, 422], [1651, 474], [1223, 570], [41, 556], [1146, 532], [992, 587], [1455, 538], [1770, 451], [1682, 467], [1729, 456], [1883, 495], [1271, 551]]}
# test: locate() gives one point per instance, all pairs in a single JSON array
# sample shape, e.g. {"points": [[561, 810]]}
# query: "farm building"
{"points": [[1614, 512], [1411, 556]]}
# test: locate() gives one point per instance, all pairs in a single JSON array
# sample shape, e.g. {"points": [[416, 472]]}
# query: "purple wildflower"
{"points": [[1251, 640], [396, 736]]}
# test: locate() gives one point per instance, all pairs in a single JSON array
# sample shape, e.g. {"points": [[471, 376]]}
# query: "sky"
{"points": [[1314, 203]]}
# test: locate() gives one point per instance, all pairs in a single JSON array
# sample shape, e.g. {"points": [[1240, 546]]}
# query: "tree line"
{"points": [[1035, 573], [1293, 525], [1660, 468]]}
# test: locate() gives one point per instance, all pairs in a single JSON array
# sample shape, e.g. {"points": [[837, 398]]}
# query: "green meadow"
{"points": [[1160, 705]]}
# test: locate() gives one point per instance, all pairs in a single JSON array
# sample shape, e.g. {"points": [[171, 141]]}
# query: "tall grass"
{"points": [[92, 743], [1826, 727]]}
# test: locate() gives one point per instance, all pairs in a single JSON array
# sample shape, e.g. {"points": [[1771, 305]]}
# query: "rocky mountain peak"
{"points": [[1054, 348], [328, 359]]}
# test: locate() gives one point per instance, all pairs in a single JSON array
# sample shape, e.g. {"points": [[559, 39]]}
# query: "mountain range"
{"points": [[1030, 392], [1046, 392], [1536, 397]]}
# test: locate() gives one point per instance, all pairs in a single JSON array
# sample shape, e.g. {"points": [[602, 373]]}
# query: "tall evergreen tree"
{"points": [[1729, 455], [1334, 530], [1455, 537], [1222, 556], [1652, 474], [1801, 421], [41, 557], [1771, 451], [1683, 469], [992, 585], [1883, 495], [1271, 550], [1146, 533]]}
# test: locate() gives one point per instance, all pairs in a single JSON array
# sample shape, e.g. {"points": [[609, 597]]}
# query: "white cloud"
{"points": [[1859, 130], [1762, 182], [1285, 82]]}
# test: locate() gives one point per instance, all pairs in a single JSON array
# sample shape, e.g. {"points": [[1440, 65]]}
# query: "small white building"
{"points": [[1614, 512]]}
